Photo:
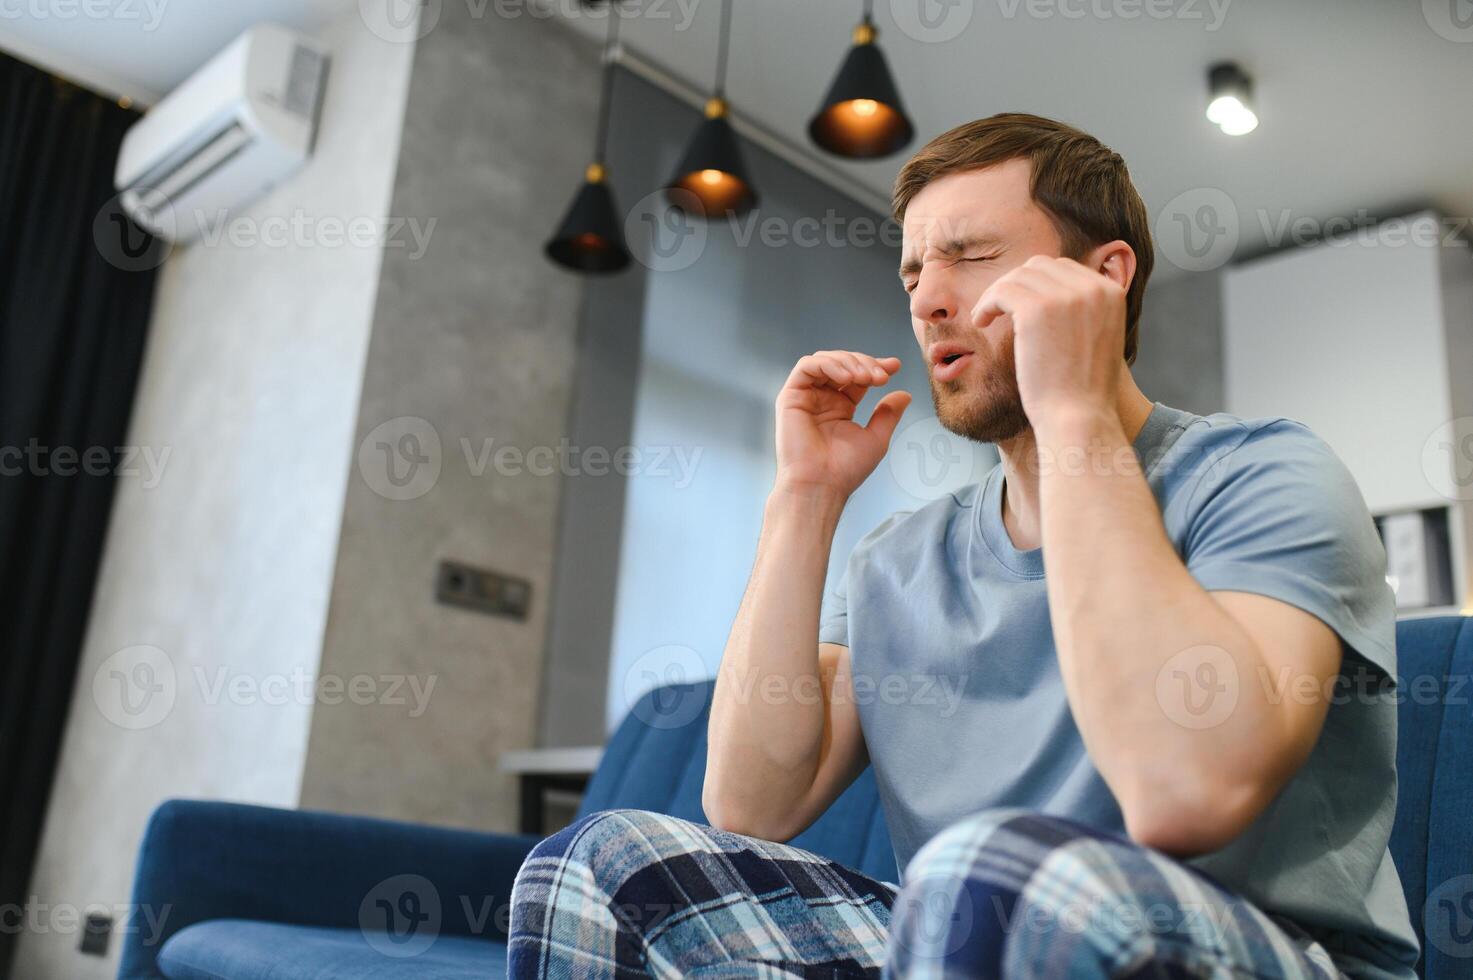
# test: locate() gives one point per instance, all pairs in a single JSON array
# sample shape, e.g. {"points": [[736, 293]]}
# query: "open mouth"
{"points": [[949, 360]]}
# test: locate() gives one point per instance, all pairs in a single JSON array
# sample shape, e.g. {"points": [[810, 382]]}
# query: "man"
{"points": [[1173, 754]]}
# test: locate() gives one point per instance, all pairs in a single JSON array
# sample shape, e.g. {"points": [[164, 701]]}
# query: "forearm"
{"points": [[768, 714], [1136, 635]]}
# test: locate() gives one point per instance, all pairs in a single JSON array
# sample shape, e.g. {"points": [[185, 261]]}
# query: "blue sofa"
{"points": [[253, 893]]}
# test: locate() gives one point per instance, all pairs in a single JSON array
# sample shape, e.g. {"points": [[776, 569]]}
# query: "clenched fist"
{"points": [[819, 445]]}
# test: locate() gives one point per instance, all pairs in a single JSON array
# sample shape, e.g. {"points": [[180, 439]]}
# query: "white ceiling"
{"points": [[1364, 105]]}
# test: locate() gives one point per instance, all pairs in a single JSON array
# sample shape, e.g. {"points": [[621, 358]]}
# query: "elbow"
{"points": [[741, 814], [1189, 818]]}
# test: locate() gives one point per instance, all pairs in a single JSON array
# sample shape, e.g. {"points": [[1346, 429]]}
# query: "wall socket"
{"points": [[482, 590], [95, 932]]}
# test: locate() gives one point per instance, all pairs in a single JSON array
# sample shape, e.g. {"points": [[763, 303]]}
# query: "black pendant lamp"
{"points": [[712, 178], [591, 236], [862, 117]]}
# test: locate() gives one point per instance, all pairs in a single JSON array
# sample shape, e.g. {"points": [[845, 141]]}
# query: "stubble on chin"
{"points": [[983, 405]]}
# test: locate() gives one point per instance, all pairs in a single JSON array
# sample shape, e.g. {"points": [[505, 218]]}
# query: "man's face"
{"points": [[961, 233]]}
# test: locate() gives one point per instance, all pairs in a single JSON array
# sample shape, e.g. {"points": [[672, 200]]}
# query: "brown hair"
{"points": [[1079, 182]]}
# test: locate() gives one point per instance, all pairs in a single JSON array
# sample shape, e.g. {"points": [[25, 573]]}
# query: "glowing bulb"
{"points": [[712, 176], [1223, 107], [864, 107], [1240, 122]]}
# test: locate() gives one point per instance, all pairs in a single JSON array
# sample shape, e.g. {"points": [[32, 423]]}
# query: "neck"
{"points": [[1021, 513]]}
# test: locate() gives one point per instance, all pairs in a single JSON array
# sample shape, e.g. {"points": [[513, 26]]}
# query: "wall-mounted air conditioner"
{"points": [[236, 128]]}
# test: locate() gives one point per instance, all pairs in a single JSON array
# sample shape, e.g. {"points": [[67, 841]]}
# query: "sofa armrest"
{"points": [[210, 860]]}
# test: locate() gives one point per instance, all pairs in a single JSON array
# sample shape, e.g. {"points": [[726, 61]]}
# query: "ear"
{"points": [[1115, 260]]}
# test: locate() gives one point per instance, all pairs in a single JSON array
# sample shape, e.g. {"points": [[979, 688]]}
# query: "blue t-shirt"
{"points": [[963, 708]]}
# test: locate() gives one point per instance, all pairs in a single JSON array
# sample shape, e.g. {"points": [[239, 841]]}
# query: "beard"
{"points": [[983, 404]]}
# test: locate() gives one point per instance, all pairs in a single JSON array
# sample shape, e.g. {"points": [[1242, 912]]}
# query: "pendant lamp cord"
{"points": [[720, 92], [606, 97]]}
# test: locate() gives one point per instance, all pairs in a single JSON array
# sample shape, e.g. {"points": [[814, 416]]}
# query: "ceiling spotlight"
{"points": [[861, 117], [1231, 93]]}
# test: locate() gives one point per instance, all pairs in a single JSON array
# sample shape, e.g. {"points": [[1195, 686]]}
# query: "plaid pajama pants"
{"points": [[1007, 893]]}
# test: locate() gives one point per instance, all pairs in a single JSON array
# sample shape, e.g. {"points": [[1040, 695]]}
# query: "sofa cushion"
{"points": [[656, 760], [242, 949]]}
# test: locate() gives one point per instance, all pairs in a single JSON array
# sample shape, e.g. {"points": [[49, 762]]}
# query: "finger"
{"points": [[886, 416], [876, 370], [1000, 299], [819, 371]]}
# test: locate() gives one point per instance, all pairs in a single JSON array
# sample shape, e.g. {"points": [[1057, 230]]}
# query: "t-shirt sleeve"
{"points": [[833, 616], [1278, 514]]}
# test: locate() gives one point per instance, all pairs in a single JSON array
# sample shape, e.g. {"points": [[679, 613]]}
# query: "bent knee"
{"points": [[1019, 837], [614, 840]]}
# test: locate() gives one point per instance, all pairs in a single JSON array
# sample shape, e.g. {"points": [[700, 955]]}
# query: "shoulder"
{"points": [[908, 532], [1224, 454]]}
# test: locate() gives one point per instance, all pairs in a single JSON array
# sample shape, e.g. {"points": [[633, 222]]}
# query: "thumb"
{"points": [[886, 416]]}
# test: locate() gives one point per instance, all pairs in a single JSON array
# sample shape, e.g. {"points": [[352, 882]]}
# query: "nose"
{"points": [[933, 301]]}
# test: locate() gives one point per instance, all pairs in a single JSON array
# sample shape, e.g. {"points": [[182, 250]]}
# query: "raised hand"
{"points": [[819, 445]]}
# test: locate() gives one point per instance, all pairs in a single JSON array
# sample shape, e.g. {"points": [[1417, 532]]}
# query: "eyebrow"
{"points": [[952, 248]]}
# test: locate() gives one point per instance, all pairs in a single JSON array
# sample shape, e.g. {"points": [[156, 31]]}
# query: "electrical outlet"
{"points": [[482, 590], [95, 933]]}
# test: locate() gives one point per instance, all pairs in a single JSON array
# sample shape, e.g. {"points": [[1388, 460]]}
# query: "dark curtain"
{"points": [[76, 285]]}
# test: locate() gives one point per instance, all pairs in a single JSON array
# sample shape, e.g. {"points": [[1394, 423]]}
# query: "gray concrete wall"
{"points": [[473, 350], [218, 561], [1180, 359]]}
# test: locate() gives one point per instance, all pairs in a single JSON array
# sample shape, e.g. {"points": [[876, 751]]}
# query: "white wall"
{"points": [[1367, 340], [220, 569]]}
